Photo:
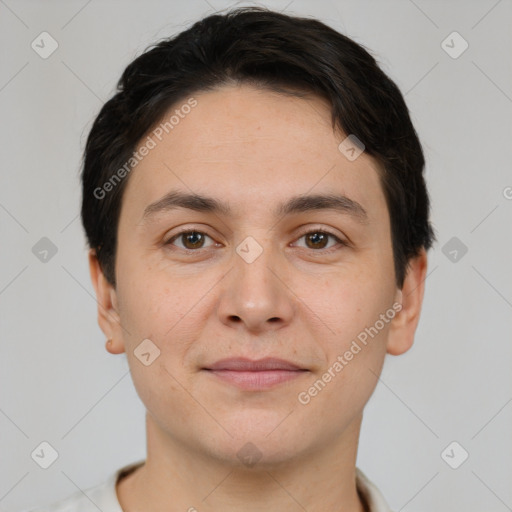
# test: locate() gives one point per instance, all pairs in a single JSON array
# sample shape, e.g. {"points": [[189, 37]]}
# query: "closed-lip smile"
{"points": [[257, 374]]}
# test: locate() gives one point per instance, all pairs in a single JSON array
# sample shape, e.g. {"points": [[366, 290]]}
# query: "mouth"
{"points": [[255, 375]]}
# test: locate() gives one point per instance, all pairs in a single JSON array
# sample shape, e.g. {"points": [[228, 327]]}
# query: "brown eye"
{"points": [[318, 240], [190, 240]]}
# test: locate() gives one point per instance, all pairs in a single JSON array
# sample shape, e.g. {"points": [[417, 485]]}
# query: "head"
{"points": [[230, 213]]}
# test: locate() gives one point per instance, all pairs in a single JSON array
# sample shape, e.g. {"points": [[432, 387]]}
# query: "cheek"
{"points": [[354, 359], [168, 310], [349, 299], [150, 301], [150, 309], [146, 305], [161, 390], [350, 304]]}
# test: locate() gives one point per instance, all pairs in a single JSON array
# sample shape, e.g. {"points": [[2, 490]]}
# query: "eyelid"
{"points": [[308, 228]]}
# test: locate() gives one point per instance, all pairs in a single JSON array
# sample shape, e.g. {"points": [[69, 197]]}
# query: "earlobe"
{"points": [[113, 347], [405, 322], [106, 298]]}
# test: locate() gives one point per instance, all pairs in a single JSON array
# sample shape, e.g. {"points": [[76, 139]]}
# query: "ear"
{"points": [[403, 325], [106, 297]]}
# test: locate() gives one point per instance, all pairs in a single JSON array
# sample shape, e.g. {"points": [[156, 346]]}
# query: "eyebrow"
{"points": [[297, 204]]}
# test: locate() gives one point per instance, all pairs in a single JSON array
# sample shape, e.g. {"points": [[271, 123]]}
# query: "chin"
{"points": [[260, 441], [255, 454]]}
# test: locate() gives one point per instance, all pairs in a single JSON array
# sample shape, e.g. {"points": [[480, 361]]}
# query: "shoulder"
{"points": [[87, 501], [99, 497], [371, 493]]}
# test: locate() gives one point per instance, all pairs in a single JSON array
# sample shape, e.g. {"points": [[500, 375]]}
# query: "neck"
{"points": [[175, 476]]}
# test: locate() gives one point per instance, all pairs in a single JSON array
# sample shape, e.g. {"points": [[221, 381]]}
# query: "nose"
{"points": [[255, 295]]}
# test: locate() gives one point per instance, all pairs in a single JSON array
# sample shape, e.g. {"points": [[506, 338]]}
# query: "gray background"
{"points": [[58, 384]]}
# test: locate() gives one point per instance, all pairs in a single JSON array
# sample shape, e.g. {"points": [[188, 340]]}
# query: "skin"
{"points": [[253, 149]]}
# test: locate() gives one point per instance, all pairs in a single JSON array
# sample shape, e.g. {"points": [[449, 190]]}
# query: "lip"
{"points": [[254, 375], [243, 364]]}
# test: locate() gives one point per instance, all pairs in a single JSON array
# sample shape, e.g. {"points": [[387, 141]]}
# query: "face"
{"points": [[267, 274]]}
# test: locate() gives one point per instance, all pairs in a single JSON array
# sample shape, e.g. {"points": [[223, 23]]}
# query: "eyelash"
{"points": [[310, 231]]}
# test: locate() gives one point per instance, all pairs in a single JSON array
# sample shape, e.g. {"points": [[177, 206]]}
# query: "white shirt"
{"points": [[104, 496]]}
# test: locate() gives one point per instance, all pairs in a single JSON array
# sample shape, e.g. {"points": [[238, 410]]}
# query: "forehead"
{"points": [[251, 147]]}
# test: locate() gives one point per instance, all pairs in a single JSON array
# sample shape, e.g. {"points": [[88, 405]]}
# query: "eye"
{"points": [[319, 239], [191, 239]]}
